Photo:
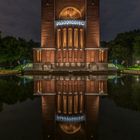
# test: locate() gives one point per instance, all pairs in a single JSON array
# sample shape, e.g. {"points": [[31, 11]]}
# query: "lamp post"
{"points": [[138, 62]]}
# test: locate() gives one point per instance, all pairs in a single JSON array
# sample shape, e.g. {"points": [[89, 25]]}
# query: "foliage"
{"points": [[136, 45], [125, 48], [15, 51], [120, 67]]}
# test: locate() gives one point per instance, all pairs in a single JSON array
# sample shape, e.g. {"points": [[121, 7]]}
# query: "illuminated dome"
{"points": [[70, 13], [70, 128]]}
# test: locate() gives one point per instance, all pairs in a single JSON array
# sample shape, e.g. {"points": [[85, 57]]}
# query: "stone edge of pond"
{"points": [[36, 72], [32, 72], [134, 72]]}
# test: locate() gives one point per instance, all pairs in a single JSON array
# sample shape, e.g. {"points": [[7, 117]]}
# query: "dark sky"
{"points": [[21, 18]]}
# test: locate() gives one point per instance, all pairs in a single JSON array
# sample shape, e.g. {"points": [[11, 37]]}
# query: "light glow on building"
{"points": [[70, 38], [70, 22]]}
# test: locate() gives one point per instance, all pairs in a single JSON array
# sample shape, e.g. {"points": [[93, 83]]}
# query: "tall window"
{"points": [[59, 103], [39, 86], [64, 104], [81, 38], [70, 37], [76, 104], [58, 38], [38, 56], [64, 38], [81, 103], [101, 56], [70, 104], [76, 38]]}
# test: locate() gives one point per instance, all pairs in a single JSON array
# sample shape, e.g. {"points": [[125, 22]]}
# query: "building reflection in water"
{"points": [[70, 105]]}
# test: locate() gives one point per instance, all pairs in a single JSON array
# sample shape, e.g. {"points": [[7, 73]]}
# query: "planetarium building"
{"points": [[70, 37]]}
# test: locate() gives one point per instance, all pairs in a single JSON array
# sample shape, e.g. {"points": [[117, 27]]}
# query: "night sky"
{"points": [[21, 18]]}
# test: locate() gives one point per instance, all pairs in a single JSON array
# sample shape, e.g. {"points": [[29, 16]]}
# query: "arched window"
{"points": [[70, 13]]}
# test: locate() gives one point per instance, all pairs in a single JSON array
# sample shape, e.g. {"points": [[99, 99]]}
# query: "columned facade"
{"points": [[70, 36]]}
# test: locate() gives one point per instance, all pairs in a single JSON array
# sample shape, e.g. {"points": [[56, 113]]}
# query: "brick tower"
{"points": [[70, 36]]}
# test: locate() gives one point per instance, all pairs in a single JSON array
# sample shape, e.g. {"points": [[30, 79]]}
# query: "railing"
{"points": [[66, 118], [70, 22]]}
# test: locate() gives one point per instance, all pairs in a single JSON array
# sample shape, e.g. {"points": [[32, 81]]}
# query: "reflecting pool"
{"points": [[70, 107]]}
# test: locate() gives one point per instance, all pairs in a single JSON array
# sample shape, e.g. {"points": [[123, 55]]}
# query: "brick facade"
{"points": [[71, 45]]}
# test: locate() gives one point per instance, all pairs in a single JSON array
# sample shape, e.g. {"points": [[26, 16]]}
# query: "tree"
{"points": [[125, 47], [14, 51], [120, 53], [136, 48]]}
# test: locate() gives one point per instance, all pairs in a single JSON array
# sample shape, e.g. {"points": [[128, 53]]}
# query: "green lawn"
{"points": [[134, 68], [113, 66], [121, 67], [15, 70], [5, 72], [23, 67]]}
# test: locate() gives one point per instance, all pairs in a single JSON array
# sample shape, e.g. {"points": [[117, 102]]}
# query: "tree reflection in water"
{"points": [[15, 89], [71, 105], [125, 92]]}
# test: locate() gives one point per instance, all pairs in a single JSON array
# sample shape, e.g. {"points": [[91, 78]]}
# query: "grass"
{"points": [[15, 70], [118, 66], [134, 68], [112, 66], [23, 67], [5, 72], [121, 67]]}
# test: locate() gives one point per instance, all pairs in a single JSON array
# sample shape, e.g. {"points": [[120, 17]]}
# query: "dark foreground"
{"points": [[23, 116]]}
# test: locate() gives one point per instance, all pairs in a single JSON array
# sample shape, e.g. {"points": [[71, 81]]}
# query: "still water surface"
{"points": [[70, 107]]}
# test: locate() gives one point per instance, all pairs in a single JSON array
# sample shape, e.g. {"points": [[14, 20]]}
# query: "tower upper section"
{"points": [[81, 12]]}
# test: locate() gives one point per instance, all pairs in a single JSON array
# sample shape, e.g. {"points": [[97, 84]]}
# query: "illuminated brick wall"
{"points": [[67, 45]]}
